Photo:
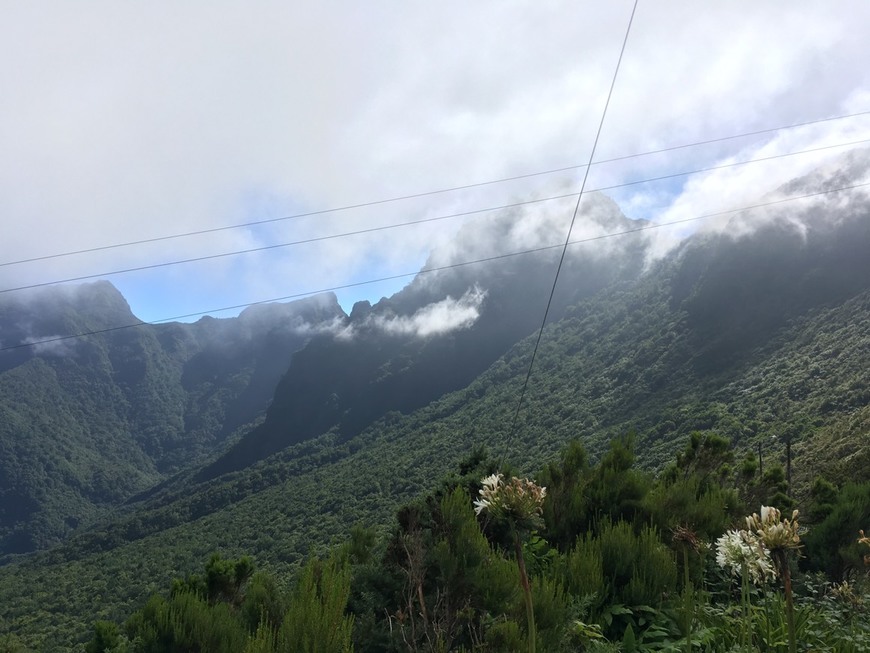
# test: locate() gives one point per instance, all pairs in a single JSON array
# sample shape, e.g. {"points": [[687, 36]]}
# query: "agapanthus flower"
{"points": [[741, 551], [519, 498], [776, 533], [492, 481], [520, 503], [488, 493]]}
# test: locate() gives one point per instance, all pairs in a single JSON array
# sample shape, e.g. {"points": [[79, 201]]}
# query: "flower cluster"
{"points": [[767, 535], [743, 552], [519, 498], [488, 493], [846, 593], [688, 538], [776, 533]]}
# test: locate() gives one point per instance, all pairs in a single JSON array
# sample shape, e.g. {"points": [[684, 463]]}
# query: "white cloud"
{"points": [[435, 319], [125, 121]]}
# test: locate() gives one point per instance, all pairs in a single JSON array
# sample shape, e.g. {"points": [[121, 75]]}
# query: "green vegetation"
{"points": [[295, 503], [734, 399], [87, 423], [445, 579]]}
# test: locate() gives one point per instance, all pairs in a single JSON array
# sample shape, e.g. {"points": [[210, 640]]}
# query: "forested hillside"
{"points": [[410, 349], [116, 413], [85, 423], [760, 339]]}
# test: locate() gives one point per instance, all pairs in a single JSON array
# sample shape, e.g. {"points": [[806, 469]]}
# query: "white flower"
{"points": [[741, 550], [731, 551], [519, 499], [488, 493], [480, 505]]}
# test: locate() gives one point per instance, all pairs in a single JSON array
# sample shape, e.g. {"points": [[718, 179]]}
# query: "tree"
{"points": [[316, 621], [107, 638]]}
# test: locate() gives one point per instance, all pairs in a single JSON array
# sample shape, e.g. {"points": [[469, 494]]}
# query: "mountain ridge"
{"points": [[93, 420]]}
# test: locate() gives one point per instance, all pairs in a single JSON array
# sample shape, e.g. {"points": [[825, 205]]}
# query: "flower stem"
{"points": [[527, 591], [789, 603], [746, 629], [689, 604]]}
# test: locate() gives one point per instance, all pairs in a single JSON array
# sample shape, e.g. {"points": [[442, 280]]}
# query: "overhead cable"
{"points": [[451, 266], [359, 205], [448, 216], [513, 425]]}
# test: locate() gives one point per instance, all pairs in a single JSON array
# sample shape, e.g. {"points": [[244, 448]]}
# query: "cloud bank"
{"points": [[128, 121]]}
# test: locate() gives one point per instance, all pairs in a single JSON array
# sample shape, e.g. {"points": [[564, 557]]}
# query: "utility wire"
{"points": [[513, 426], [451, 189], [733, 164], [426, 220], [497, 257]]}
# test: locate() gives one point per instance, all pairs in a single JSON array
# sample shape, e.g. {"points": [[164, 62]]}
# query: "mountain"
{"points": [[436, 335], [756, 332], [91, 422], [85, 423]]}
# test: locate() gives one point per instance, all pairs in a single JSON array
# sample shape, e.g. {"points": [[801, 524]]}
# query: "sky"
{"points": [[125, 121]]}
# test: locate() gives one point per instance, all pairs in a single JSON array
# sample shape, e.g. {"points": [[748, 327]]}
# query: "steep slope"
{"points": [[87, 422], [440, 332]]}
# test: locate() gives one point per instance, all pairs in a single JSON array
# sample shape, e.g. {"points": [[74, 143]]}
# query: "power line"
{"points": [[451, 266], [513, 426], [289, 244], [451, 189], [426, 220], [733, 164]]}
